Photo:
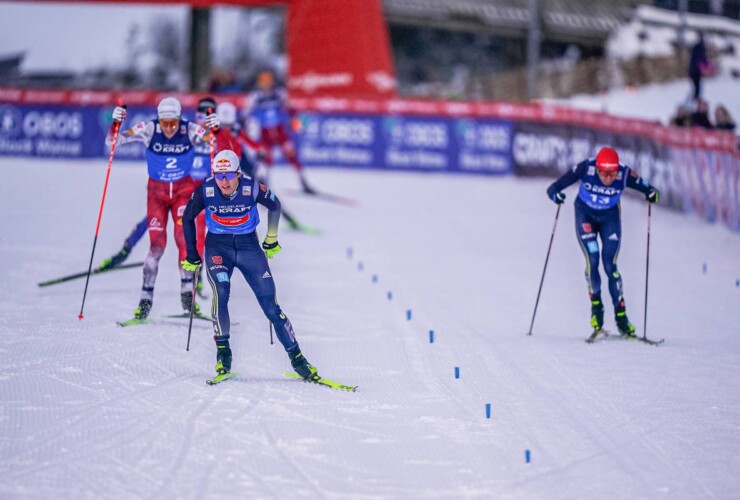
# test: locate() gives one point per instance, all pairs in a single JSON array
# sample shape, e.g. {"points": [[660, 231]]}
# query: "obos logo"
{"points": [[347, 131], [10, 121], [426, 134], [415, 134], [48, 124]]}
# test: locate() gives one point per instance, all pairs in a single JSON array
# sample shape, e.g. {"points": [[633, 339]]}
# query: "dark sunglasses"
{"points": [[227, 176], [200, 117]]}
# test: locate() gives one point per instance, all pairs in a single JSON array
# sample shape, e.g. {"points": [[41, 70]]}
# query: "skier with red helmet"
{"points": [[597, 209]]}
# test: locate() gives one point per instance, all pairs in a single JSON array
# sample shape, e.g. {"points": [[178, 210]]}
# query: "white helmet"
{"points": [[226, 113], [225, 161], [169, 108]]}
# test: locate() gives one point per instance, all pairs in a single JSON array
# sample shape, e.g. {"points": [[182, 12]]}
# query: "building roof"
{"points": [[584, 21]]}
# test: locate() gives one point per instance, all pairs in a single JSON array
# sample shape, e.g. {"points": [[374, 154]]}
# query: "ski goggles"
{"points": [[609, 174], [225, 176], [169, 122], [200, 117]]}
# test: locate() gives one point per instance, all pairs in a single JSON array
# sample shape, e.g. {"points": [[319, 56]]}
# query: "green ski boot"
{"points": [[114, 260], [186, 299], [597, 313], [623, 324], [142, 312], [223, 357], [302, 367]]}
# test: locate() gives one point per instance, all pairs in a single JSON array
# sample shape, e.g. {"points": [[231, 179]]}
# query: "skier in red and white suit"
{"points": [[169, 142]]}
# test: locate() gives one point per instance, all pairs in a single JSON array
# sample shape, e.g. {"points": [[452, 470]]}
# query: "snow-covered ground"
{"points": [[91, 410], [659, 102]]}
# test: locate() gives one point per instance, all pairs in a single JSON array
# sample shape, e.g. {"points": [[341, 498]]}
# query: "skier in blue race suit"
{"points": [[597, 208], [230, 202]]}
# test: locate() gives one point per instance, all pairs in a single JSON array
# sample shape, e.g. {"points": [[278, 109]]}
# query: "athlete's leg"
{"points": [[182, 192], [219, 263], [289, 150], [611, 238], [586, 230], [268, 144], [252, 262], [136, 234], [157, 203]]}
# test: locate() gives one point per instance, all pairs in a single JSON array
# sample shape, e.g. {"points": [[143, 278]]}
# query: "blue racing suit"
{"points": [[231, 243], [597, 209]]}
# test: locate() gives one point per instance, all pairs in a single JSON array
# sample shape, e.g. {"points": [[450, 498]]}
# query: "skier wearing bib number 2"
{"points": [[597, 210], [169, 142]]}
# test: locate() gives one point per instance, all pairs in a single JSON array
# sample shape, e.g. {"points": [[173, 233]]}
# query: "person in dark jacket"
{"points": [[598, 214], [699, 65], [723, 120], [700, 116]]}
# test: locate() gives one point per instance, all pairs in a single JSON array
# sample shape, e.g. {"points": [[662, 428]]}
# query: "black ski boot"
{"points": [[186, 298], [223, 357], [301, 365], [624, 325], [142, 312], [199, 287], [597, 312], [306, 187]]}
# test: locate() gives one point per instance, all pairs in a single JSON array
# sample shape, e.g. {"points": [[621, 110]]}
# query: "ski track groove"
{"points": [[290, 461], [184, 449]]}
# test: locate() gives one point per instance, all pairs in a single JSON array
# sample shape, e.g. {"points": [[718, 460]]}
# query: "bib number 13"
{"points": [[601, 200]]}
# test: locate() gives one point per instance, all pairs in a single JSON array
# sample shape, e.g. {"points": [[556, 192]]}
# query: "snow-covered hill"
{"points": [[91, 410]]}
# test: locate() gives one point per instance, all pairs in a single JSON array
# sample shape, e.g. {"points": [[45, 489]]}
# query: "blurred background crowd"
{"points": [[459, 50]]}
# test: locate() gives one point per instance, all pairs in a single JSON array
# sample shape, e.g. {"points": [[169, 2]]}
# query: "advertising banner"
{"points": [[410, 143], [696, 171]]}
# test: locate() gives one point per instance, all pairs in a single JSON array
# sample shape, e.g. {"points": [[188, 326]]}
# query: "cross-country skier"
{"points": [[267, 106], [169, 142], [252, 156], [597, 208], [200, 171], [230, 201]]}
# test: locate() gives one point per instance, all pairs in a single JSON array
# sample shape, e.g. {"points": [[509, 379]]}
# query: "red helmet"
{"points": [[607, 159]]}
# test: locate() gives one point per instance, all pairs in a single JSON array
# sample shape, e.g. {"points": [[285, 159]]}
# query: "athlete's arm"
{"points": [[197, 134], [634, 181], [267, 199], [141, 132], [194, 207], [567, 179]]}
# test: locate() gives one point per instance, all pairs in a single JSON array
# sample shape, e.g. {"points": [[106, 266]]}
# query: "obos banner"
{"points": [[412, 143]]}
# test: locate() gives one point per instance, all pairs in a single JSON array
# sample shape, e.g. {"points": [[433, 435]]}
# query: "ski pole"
{"points": [[192, 305], [271, 342], [116, 129], [212, 141], [647, 269], [542, 280]]}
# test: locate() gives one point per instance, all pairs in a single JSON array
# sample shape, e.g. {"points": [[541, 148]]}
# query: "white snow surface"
{"points": [[659, 102], [92, 410]]}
